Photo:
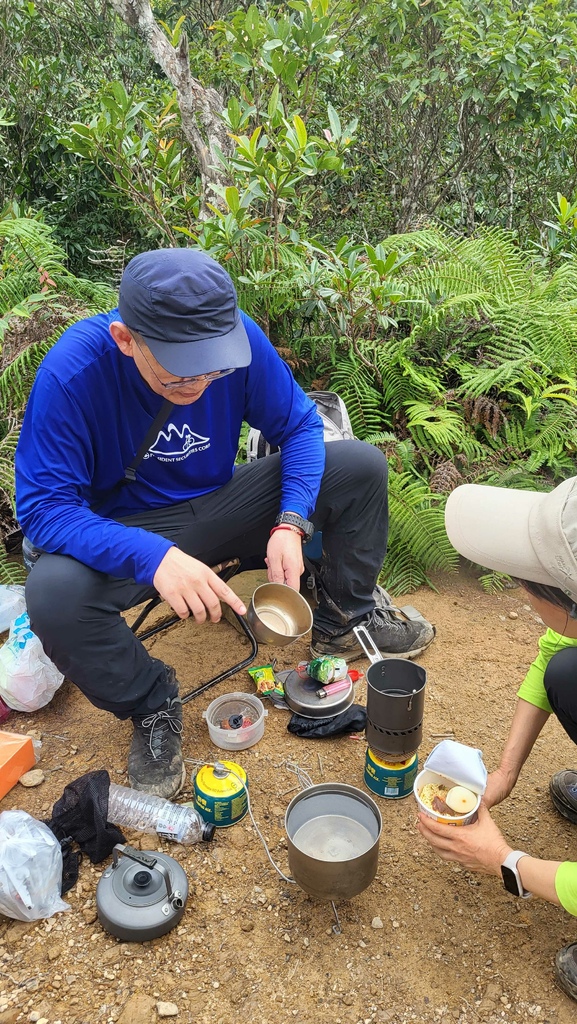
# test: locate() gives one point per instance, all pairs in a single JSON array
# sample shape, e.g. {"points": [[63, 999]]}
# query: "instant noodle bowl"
{"points": [[429, 784]]}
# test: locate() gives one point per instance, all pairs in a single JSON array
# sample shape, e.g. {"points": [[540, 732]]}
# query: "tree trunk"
{"points": [[200, 108]]}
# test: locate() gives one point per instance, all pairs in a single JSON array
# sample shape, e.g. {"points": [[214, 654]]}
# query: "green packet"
{"points": [[265, 680]]}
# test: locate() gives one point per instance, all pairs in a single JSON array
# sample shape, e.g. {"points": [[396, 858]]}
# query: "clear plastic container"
{"points": [[235, 721], [129, 808]]}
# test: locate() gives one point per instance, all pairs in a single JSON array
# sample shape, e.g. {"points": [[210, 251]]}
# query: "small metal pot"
{"points": [[333, 835], [278, 615]]}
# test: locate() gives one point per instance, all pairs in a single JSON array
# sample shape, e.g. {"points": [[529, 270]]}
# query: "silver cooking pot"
{"points": [[333, 833]]}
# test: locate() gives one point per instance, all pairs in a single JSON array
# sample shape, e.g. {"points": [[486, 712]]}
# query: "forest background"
{"points": [[392, 186]]}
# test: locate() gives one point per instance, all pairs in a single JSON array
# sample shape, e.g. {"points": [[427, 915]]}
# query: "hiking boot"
{"points": [[566, 969], [396, 634], [563, 791], [155, 762]]}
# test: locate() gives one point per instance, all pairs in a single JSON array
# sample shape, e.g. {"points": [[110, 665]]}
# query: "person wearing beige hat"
{"points": [[531, 536]]}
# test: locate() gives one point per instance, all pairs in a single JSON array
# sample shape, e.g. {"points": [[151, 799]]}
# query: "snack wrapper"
{"points": [[265, 681]]}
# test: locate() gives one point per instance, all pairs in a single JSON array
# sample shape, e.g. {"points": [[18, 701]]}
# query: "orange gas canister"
{"points": [[16, 758]]}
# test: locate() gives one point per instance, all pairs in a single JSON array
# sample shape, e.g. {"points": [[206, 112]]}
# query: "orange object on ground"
{"points": [[16, 758]]}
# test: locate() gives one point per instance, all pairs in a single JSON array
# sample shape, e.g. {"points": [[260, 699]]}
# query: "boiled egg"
{"points": [[461, 800]]}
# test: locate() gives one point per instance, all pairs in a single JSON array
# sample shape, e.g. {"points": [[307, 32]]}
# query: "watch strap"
{"points": [[294, 519], [511, 862]]}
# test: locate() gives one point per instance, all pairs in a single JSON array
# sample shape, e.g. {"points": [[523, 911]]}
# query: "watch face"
{"points": [[510, 881]]}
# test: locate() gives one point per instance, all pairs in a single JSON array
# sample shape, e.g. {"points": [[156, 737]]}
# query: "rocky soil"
{"points": [[426, 942]]}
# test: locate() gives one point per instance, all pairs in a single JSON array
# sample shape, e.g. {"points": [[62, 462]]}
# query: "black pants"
{"points": [[76, 611], [560, 681]]}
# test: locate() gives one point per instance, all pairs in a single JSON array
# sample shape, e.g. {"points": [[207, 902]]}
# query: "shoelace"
{"points": [[166, 717]]}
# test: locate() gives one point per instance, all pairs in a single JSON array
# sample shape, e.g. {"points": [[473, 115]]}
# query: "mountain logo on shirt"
{"points": [[174, 444]]}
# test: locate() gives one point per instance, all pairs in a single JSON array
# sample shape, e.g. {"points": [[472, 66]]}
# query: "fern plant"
{"points": [[36, 285]]}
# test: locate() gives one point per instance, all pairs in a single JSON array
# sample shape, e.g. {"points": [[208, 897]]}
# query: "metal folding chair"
{"points": [[226, 570]]}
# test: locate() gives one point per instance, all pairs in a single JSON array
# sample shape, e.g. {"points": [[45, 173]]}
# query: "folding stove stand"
{"points": [[226, 570]]}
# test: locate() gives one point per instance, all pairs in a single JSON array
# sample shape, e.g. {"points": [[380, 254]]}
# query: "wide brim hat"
{"points": [[527, 534], [184, 305]]}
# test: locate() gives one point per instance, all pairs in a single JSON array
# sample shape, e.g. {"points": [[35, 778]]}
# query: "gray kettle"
{"points": [[141, 895]]}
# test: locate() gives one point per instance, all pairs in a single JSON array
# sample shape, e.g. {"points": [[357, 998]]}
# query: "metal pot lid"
{"points": [[301, 696]]}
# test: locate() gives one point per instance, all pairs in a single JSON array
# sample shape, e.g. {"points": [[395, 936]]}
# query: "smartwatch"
{"points": [[293, 519], [510, 874]]}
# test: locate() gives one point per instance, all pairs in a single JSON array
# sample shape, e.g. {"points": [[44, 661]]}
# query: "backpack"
{"points": [[336, 423]]}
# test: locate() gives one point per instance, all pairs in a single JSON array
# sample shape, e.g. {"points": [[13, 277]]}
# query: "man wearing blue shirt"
{"points": [[180, 360]]}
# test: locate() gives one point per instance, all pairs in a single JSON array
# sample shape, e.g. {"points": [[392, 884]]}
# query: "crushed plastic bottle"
{"points": [[131, 808]]}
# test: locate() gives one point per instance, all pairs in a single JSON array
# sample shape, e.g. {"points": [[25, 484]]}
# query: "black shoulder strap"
{"points": [[158, 421], [130, 471]]}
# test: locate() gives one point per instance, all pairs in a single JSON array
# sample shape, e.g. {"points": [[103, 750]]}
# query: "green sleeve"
{"points": [[566, 886], [532, 689]]}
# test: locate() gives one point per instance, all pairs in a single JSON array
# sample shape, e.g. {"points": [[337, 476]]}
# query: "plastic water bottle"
{"points": [[146, 813]]}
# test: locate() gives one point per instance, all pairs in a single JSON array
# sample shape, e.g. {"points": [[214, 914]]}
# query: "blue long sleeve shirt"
{"points": [[88, 413]]}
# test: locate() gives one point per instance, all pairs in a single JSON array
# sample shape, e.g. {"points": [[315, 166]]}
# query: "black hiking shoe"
{"points": [[396, 634], [155, 762], [566, 969], [563, 791]]}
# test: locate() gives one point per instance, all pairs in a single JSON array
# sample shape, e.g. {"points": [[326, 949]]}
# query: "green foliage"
{"points": [[34, 282]]}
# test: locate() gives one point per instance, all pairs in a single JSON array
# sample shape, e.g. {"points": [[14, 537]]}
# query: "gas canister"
{"points": [[220, 793]]}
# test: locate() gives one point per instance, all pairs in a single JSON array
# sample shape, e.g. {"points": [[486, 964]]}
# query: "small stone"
{"points": [[247, 925], [513, 615], [90, 915], [348, 999], [167, 1009], [54, 952], [34, 1016], [376, 923], [396, 924], [33, 778]]}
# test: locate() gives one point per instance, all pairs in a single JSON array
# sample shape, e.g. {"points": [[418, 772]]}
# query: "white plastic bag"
{"points": [[28, 679], [12, 604], [30, 868]]}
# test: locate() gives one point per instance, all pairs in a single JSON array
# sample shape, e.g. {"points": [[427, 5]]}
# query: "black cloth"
{"points": [[77, 611], [354, 719], [80, 816], [560, 681]]}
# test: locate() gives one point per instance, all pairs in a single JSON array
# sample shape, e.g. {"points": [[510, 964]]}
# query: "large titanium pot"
{"points": [[333, 835]]}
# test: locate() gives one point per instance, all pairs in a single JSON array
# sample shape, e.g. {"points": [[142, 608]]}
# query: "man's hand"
{"points": [[284, 558], [478, 847], [192, 588]]}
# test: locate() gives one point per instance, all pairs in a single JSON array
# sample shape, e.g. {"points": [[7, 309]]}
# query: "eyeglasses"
{"points": [[183, 381]]}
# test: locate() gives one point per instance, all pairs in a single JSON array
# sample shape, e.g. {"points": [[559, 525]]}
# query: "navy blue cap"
{"points": [[184, 305]]}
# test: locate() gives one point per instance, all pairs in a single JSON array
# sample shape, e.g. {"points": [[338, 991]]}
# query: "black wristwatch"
{"points": [[293, 519], [510, 874]]}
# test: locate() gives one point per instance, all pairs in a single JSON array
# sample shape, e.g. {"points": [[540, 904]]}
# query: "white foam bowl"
{"points": [[423, 779], [235, 704]]}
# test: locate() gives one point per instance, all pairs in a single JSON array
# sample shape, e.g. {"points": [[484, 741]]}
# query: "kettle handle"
{"points": [[368, 644], [148, 861]]}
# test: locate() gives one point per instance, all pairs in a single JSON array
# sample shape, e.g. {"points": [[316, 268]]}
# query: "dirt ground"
{"points": [[453, 947]]}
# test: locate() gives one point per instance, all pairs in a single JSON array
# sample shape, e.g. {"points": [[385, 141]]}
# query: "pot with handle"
{"points": [[395, 701]]}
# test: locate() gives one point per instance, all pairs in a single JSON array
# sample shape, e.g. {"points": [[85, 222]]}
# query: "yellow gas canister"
{"points": [[220, 793], [393, 779]]}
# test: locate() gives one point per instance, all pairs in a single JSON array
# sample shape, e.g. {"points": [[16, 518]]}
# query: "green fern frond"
{"points": [[353, 382], [494, 582]]}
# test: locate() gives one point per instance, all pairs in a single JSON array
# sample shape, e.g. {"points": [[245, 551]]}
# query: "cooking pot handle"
{"points": [[368, 644], [148, 861]]}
